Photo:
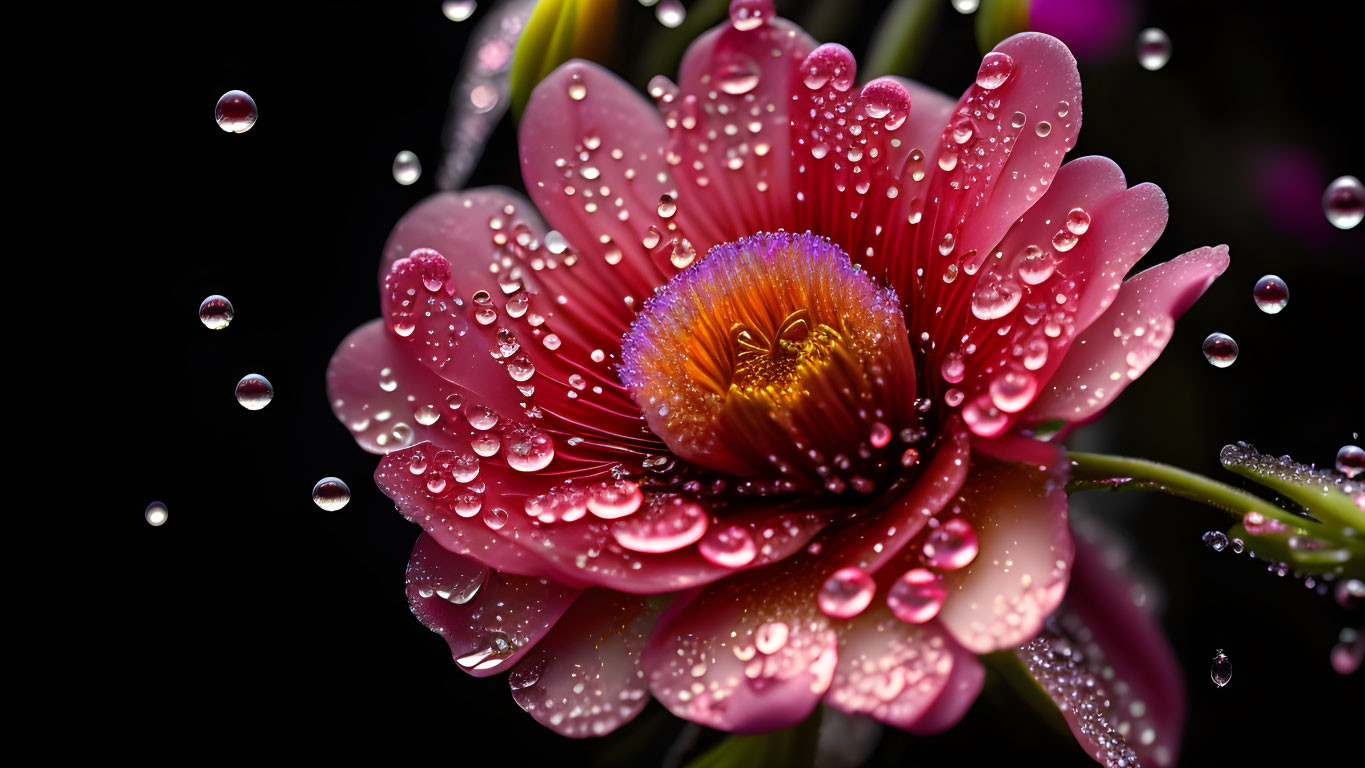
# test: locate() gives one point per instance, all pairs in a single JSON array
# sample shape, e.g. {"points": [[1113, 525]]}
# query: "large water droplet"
{"points": [[846, 593], [995, 297], [951, 546], [1220, 349], [215, 312], [670, 13], [1215, 540], [995, 69], [666, 527], [830, 64], [730, 547], [235, 112], [331, 494], [746, 15], [156, 514], [458, 10], [887, 100], [613, 500], [1271, 294], [406, 168], [1012, 391], [481, 416], [529, 450], [917, 596], [667, 207], [1153, 49], [1344, 202], [1221, 669], [254, 392], [966, 6], [737, 78], [1351, 460]]}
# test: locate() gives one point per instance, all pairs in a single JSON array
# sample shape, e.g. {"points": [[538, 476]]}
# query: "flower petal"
{"points": [[900, 673], [1108, 667], [489, 619], [1127, 338], [1018, 577], [586, 677]]}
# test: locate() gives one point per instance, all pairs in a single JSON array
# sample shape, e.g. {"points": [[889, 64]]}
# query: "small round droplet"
{"points": [[331, 494], [577, 90], [215, 312], [254, 392], [1153, 49], [406, 168], [670, 13], [667, 207], [458, 10], [156, 514], [1078, 221], [951, 546], [1344, 202], [917, 596], [846, 593], [1351, 460], [1042, 129], [1220, 349], [746, 15], [1215, 540], [1271, 294], [1221, 670], [235, 112]]}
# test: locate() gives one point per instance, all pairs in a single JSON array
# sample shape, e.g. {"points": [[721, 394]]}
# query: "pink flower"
{"points": [[749, 428]]}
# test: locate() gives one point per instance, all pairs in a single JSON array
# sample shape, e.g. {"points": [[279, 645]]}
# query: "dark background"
{"points": [[254, 619]]}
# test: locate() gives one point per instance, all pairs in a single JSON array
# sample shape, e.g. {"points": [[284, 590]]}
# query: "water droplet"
{"points": [[887, 100], [1036, 265], [1043, 128], [254, 392], [1220, 349], [1216, 540], [747, 15], [1221, 670], [1351, 460], [156, 514], [667, 206], [1349, 651], [215, 312], [1271, 294], [1344, 202], [577, 90], [917, 596], [1078, 221], [666, 527], [683, 253], [951, 546], [730, 547], [236, 112], [1238, 545], [495, 518], [458, 10], [331, 494], [880, 435], [995, 69], [610, 501], [670, 13], [995, 298], [846, 593], [966, 6], [406, 168], [529, 450], [1153, 49], [830, 64], [485, 444], [481, 417], [737, 78]]}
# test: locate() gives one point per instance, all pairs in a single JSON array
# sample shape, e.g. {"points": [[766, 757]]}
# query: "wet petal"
{"points": [[489, 619], [901, 673], [586, 677], [1108, 667], [1020, 573], [1127, 338]]}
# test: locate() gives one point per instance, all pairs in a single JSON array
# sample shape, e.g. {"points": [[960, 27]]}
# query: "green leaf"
{"points": [[794, 747], [1320, 493], [999, 19], [902, 37], [558, 30]]}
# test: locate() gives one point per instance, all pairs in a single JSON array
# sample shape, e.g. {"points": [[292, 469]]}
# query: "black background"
{"points": [[254, 619]]}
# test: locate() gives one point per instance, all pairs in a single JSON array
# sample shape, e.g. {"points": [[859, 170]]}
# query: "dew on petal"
{"points": [[1153, 49], [254, 392], [846, 593], [529, 450], [995, 69], [1220, 671], [1270, 294], [331, 494], [610, 501], [458, 10], [1220, 349], [951, 546], [495, 518], [481, 417], [830, 64], [746, 15], [666, 527], [1350, 460], [235, 112], [917, 596], [215, 312], [156, 514], [1344, 202], [406, 168], [730, 547]]}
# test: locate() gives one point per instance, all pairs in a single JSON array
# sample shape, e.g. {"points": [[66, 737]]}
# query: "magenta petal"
{"points": [[1128, 337], [489, 619], [749, 654], [900, 673], [1020, 573], [586, 677], [1108, 667]]}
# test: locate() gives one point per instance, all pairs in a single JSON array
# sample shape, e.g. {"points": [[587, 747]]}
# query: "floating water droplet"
{"points": [[1216, 540], [1351, 460], [406, 168], [1349, 651], [996, 68], [670, 13], [917, 596], [215, 312], [1238, 545], [666, 527], [746, 15], [846, 593], [951, 546], [254, 392], [458, 10], [331, 494], [235, 112], [966, 6], [1220, 349], [1271, 294], [1344, 202], [730, 547], [156, 514], [1221, 670], [1153, 49]]}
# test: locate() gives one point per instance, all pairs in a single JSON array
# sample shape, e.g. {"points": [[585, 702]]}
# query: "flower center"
{"points": [[774, 357]]}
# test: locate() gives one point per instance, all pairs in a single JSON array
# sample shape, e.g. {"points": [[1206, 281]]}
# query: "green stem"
{"points": [[1094, 471]]}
